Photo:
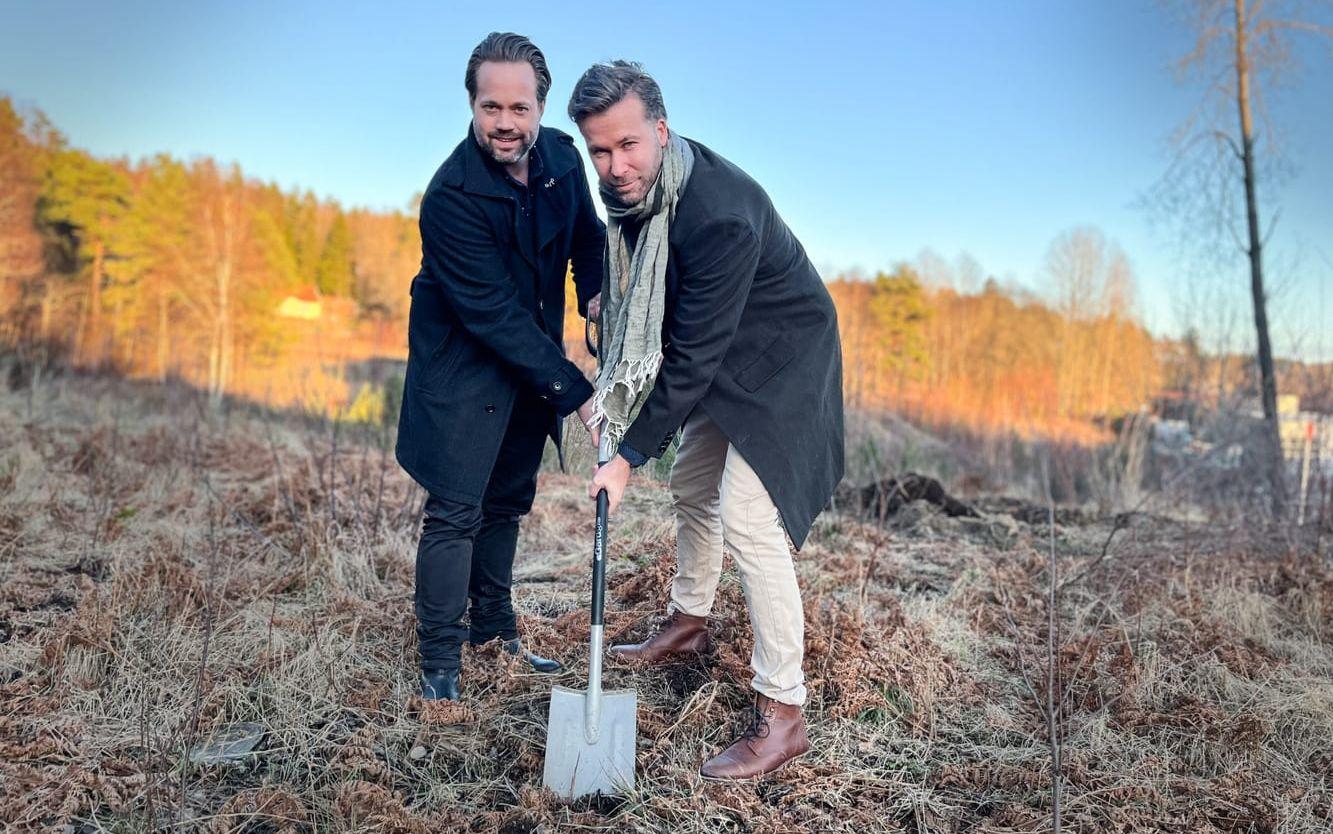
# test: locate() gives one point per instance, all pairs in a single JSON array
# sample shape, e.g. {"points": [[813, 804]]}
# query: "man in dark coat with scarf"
{"points": [[487, 380], [713, 322]]}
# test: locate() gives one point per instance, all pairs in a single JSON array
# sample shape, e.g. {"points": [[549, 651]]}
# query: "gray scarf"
{"points": [[634, 293]]}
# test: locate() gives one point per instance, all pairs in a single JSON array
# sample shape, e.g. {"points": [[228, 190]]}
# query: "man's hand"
{"points": [[594, 307], [613, 477], [594, 429]]}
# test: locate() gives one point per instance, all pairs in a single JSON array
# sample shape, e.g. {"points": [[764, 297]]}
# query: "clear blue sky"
{"points": [[880, 129]]}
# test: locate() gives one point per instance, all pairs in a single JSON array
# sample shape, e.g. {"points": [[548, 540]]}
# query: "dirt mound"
{"points": [[883, 498]]}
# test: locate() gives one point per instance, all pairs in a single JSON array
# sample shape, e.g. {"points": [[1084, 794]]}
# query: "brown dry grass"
{"points": [[168, 571]]}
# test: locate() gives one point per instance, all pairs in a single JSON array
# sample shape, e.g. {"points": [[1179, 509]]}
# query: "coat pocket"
{"points": [[441, 360], [774, 358]]}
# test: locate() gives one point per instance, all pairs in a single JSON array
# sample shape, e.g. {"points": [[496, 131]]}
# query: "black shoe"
{"points": [[439, 684], [538, 663]]}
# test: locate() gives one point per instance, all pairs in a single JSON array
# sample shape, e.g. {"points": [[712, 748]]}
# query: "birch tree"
{"points": [[1228, 150]]}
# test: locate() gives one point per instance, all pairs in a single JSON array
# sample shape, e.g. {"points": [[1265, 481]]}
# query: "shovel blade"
{"points": [[575, 768]]}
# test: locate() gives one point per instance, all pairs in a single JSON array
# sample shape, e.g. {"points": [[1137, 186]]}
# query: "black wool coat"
{"points": [[750, 335], [487, 314]]}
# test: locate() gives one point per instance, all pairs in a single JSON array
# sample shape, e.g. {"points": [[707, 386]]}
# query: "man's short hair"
{"points": [[507, 47], [604, 85]]}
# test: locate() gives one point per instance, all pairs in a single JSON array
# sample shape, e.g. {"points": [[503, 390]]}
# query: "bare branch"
{"points": [[1272, 226], [1235, 236], [1053, 728], [1226, 137], [1017, 634], [1297, 26]]}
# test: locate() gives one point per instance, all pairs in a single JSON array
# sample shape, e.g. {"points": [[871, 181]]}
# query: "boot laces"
{"points": [[669, 621], [753, 725]]}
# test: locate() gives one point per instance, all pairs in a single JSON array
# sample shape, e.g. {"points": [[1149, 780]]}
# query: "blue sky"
{"points": [[880, 129]]}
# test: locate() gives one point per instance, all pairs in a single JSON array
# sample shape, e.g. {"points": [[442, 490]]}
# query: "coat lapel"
{"points": [[552, 198], [483, 180], [550, 210], [478, 177], [552, 203]]}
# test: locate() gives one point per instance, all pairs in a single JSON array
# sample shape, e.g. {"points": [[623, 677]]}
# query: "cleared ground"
{"points": [[167, 572]]}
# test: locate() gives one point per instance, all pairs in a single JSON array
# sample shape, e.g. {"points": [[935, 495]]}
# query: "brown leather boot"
{"points": [[681, 636], [775, 736]]}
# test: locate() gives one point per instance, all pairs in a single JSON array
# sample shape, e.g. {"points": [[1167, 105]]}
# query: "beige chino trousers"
{"points": [[720, 500]]}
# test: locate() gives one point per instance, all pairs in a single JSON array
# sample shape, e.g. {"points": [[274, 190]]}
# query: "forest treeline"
{"points": [[164, 267]]}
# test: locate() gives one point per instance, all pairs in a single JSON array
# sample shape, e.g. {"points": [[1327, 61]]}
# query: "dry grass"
{"points": [[168, 571]]}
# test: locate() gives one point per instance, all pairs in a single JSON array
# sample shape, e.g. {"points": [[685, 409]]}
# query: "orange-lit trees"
{"points": [[84, 203], [899, 311], [21, 262]]}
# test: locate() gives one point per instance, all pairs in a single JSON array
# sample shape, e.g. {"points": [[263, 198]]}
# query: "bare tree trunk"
{"points": [[213, 366], [93, 342], [224, 228], [1267, 377], [127, 346], [223, 326], [224, 294], [161, 335], [48, 310]]}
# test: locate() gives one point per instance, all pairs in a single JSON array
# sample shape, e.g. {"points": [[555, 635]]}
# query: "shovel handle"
{"points": [[599, 539], [592, 702], [599, 559], [588, 340]]}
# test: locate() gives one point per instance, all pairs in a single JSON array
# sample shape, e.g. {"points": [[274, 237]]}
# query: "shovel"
{"points": [[590, 736]]}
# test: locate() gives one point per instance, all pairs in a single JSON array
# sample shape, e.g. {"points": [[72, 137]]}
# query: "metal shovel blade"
{"points": [[576, 766]]}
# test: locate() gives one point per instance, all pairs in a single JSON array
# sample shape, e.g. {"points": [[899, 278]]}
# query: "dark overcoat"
{"points": [[750, 335], [488, 308]]}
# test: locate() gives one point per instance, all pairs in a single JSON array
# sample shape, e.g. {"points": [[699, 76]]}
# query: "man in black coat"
{"points": [[487, 380], [750, 368]]}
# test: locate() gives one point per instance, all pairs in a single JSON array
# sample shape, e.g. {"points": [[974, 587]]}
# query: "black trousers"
{"points": [[465, 558]]}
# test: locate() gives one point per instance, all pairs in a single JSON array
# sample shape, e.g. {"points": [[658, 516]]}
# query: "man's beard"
{"points": [[611, 195], [505, 157]]}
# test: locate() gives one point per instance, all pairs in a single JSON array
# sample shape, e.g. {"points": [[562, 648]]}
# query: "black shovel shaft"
{"points": [[599, 558], [587, 337]]}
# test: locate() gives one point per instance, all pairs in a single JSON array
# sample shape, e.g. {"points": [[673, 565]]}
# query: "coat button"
{"points": [[490, 409], [557, 386]]}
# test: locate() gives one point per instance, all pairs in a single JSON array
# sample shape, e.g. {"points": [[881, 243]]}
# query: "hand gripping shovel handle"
{"points": [[593, 702]]}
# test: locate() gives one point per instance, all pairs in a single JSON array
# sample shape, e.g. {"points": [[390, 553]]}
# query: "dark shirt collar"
{"points": [[479, 174], [535, 166]]}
